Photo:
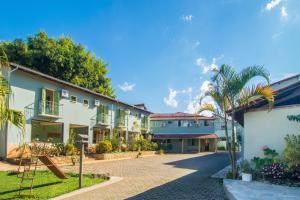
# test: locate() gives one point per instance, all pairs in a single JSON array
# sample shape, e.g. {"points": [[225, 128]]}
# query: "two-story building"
{"points": [[56, 108], [185, 132]]}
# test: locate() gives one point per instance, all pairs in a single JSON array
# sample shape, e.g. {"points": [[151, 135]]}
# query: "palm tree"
{"points": [[6, 114], [232, 91]]}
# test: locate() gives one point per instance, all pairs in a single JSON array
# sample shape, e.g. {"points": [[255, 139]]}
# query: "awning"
{"points": [[185, 136]]}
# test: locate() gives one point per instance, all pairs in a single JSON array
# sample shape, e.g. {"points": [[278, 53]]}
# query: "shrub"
{"points": [[104, 146], [154, 146], [273, 171], [246, 168], [58, 149], [292, 150], [229, 174], [293, 173], [116, 144], [270, 157], [221, 148], [70, 150]]}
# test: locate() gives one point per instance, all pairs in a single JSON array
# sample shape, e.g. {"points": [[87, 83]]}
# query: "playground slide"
{"points": [[52, 167]]}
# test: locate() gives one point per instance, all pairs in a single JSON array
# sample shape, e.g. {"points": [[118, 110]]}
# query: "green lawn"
{"points": [[45, 185]]}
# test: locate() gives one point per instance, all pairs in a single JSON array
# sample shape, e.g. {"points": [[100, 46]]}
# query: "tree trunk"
{"points": [[233, 145], [227, 138]]}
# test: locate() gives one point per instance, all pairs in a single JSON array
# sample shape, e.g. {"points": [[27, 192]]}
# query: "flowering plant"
{"points": [[273, 171]]}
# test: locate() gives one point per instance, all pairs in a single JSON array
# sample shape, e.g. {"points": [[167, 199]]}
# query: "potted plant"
{"points": [[246, 171]]}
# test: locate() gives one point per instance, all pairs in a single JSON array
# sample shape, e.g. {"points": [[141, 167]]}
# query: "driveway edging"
{"points": [[112, 180]]}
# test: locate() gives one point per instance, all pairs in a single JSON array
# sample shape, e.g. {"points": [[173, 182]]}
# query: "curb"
{"points": [[112, 180], [227, 192]]}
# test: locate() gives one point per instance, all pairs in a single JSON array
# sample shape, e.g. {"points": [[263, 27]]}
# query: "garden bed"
{"points": [[45, 185], [122, 155]]}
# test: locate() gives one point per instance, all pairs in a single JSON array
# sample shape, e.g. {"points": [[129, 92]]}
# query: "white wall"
{"points": [[268, 128]]}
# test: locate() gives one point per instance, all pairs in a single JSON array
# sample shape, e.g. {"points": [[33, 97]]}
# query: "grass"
{"points": [[45, 185]]}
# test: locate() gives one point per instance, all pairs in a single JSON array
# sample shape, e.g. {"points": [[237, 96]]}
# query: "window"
{"points": [[179, 123], [223, 127], [206, 123], [192, 142], [73, 99], [85, 102], [169, 122]]}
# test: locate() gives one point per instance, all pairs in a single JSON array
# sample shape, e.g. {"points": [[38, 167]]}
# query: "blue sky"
{"points": [[161, 52]]}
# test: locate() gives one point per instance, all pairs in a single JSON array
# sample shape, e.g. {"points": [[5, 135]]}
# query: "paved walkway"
{"points": [[241, 190], [174, 176]]}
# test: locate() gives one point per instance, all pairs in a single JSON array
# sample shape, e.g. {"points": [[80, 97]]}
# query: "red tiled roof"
{"points": [[178, 115], [185, 136]]}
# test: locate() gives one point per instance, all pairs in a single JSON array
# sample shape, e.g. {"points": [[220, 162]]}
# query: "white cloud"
{"points": [[272, 4], [195, 103], [126, 87], [283, 13], [187, 18], [171, 99], [206, 67]]}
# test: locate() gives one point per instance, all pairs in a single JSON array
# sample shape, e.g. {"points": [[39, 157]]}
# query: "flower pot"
{"points": [[246, 177]]}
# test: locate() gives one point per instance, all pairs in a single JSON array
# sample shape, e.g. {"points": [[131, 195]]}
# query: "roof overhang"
{"points": [[185, 136]]}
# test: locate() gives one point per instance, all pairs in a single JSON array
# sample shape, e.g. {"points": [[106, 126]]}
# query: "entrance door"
{"points": [[49, 104]]}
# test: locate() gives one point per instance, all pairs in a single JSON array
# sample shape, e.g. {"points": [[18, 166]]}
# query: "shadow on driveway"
{"points": [[197, 185]]}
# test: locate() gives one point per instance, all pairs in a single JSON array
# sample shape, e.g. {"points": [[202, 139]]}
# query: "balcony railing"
{"points": [[121, 122], [49, 108], [102, 119]]}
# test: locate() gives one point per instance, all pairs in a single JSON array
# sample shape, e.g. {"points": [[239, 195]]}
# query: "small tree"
{"points": [[292, 150], [13, 116], [230, 91]]}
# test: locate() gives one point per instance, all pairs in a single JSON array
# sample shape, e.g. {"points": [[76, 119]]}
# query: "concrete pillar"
{"points": [[66, 132]]}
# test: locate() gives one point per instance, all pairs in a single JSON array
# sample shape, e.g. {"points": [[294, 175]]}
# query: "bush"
{"points": [[70, 150], [273, 171], [246, 168], [292, 150], [270, 157], [115, 142], [104, 146], [229, 174], [58, 149], [221, 148], [154, 146]]}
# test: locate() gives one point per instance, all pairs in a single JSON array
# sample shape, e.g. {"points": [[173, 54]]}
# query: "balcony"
{"points": [[49, 109], [102, 119]]}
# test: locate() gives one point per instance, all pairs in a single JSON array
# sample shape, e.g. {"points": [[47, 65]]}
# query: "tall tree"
{"points": [[61, 58], [6, 114], [234, 90]]}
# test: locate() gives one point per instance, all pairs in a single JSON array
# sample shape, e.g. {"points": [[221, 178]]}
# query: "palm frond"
{"points": [[252, 94], [253, 71], [3, 58], [17, 118], [207, 107]]}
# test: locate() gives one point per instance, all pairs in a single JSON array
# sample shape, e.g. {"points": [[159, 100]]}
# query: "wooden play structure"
{"points": [[29, 161]]}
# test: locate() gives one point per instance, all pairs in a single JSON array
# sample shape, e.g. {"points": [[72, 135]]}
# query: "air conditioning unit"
{"points": [[97, 102], [65, 93]]}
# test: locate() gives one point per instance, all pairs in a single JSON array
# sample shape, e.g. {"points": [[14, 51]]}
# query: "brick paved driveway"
{"points": [[174, 176]]}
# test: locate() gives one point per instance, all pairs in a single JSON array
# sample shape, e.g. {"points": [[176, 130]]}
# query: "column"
{"points": [[182, 143], [66, 132], [199, 146]]}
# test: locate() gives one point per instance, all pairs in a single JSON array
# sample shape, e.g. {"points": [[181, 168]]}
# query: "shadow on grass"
{"points": [[34, 187]]}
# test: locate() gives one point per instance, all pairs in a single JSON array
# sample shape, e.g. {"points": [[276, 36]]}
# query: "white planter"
{"points": [[246, 177]]}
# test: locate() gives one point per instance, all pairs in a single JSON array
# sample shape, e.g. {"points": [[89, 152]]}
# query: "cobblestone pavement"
{"points": [[172, 176]]}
